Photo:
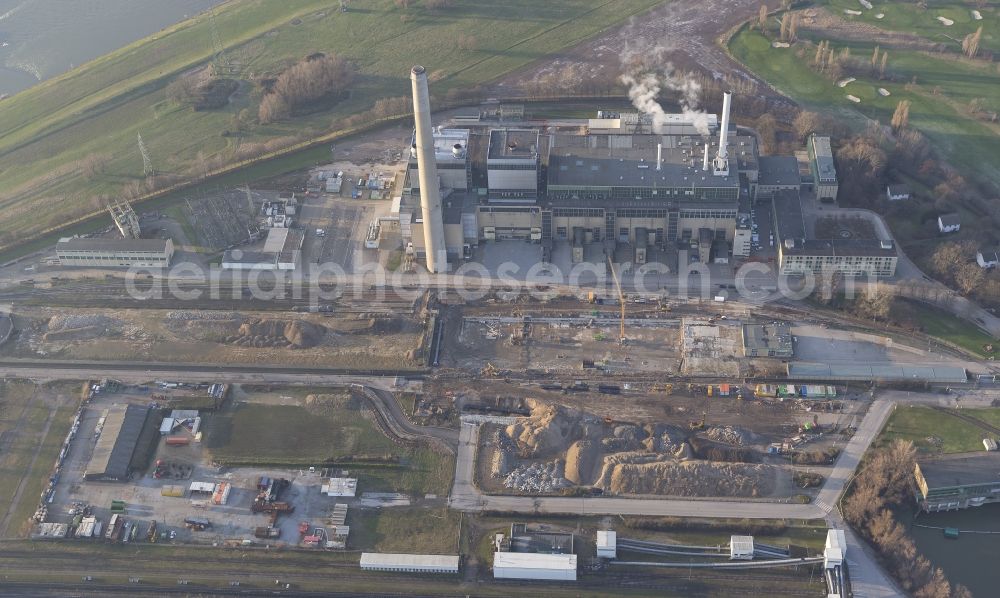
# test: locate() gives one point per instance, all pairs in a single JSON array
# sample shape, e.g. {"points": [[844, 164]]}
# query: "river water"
{"points": [[972, 559], [43, 38]]}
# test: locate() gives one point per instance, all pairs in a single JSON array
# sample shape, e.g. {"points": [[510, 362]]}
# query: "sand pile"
{"points": [[690, 478], [548, 430], [581, 458], [296, 334]]}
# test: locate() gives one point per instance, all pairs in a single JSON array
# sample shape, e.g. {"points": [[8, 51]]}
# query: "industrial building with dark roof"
{"points": [[117, 444], [958, 481]]}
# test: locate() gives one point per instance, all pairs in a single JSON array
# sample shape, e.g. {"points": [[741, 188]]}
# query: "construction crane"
{"points": [[621, 301]]}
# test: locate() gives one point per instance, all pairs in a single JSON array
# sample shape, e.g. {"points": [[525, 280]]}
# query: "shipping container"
{"points": [[178, 441], [173, 491]]}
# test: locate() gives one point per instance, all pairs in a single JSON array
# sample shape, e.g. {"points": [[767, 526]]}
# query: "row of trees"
{"points": [[308, 81], [882, 484]]}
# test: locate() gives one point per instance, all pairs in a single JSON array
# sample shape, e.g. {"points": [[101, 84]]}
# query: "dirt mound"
{"points": [[72, 327], [732, 435], [581, 458], [295, 334], [663, 438], [691, 478], [548, 430]]}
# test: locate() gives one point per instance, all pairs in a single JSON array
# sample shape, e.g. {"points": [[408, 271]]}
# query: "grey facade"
{"points": [[115, 253]]}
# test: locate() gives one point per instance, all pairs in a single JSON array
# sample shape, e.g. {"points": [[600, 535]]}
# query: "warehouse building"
{"points": [[958, 481], [533, 565], [118, 443], [824, 171], [115, 253], [409, 563], [896, 372]]}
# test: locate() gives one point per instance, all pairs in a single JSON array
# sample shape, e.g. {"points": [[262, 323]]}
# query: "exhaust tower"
{"points": [[721, 164], [430, 191]]}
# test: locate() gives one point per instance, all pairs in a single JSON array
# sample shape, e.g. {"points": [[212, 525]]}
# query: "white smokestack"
{"points": [[430, 193], [724, 126], [705, 165], [659, 155]]}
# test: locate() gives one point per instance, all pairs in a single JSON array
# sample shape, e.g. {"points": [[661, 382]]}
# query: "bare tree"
{"points": [[883, 64], [876, 301], [762, 19], [785, 21], [793, 28], [807, 123], [970, 45], [901, 116]]}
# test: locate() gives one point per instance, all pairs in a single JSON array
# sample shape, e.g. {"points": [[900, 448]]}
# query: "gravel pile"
{"points": [[537, 477], [731, 435]]}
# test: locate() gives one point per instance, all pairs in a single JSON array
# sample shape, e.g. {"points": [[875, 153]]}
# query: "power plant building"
{"points": [[625, 179], [115, 253]]}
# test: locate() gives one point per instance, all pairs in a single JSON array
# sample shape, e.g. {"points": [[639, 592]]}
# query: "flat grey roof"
{"points": [[619, 172], [768, 337], [789, 223], [899, 189], [116, 445], [81, 244], [824, 158], [513, 143], [843, 247], [804, 370], [961, 469], [778, 171]]}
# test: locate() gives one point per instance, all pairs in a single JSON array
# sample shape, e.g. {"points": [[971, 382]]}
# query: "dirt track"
{"points": [[687, 30]]}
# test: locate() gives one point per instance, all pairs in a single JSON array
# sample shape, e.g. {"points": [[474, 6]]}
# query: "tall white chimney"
{"points": [[659, 155], [705, 165], [721, 165], [430, 192]]}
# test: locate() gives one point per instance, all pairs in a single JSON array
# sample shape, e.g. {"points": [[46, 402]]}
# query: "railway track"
{"points": [[969, 420]]}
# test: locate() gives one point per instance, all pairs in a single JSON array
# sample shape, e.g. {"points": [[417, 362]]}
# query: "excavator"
{"points": [[698, 425]]}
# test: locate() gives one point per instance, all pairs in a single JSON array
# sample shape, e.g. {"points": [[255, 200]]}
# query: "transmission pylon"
{"points": [[147, 163]]}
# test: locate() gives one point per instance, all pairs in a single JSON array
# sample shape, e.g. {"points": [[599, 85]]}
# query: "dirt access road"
{"points": [[687, 31]]}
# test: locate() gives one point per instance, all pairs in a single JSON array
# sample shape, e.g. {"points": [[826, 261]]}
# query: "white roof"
{"points": [[275, 241], [741, 544], [167, 425], [835, 538], [534, 560], [341, 487], [202, 487], [406, 560], [607, 538]]}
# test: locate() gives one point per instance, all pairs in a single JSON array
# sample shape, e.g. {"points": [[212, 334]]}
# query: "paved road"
{"points": [[141, 373]]}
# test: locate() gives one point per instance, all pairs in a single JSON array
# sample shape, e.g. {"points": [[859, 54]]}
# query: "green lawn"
{"points": [[908, 18], [427, 531], [988, 415], [943, 325], [921, 424], [943, 91], [98, 108], [294, 436]]}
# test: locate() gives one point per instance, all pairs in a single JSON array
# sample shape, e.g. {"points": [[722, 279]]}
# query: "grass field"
{"points": [[905, 17], [24, 411], [428, 531], [920, 424], [944, 88], [292, 435], [943, 325], [47, 132]]}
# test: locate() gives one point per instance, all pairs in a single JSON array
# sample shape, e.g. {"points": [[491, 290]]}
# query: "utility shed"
{"points": [[409, 563], [115, 447], [607, 544], [741, 548], [533, 565]]}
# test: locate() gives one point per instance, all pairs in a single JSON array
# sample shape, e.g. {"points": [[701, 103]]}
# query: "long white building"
{"points": [[115, 253], [533, 565], [409, 563]]}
